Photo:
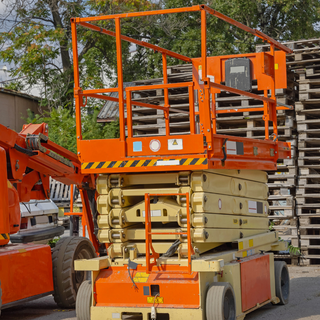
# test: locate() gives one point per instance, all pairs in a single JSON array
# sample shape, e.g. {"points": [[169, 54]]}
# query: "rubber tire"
{"points": [[282, 281], [83, 302], [66, 280], [220, 295]]}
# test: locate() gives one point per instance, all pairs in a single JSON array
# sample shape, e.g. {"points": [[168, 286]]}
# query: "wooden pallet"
{"points": [[310, 239], [306, 242], [287, 229], [281, 206], [284, 173], [290, 260], [309, 71], [60, 193]]}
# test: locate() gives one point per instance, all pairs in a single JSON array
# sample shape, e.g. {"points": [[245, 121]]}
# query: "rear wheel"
{"points": [[220, 302], [65, 279], [282, 281], [83, 302]]}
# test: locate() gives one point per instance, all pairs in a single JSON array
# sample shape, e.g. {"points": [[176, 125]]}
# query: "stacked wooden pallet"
{"points": [[306, 63], [148, 121]]}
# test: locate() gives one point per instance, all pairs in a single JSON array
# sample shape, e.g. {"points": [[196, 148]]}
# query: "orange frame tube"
{"points": [[207, 112], [202, 8], [149, 232]]}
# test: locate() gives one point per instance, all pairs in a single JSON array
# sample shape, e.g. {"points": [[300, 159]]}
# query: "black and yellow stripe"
{"points": [[4, 236], [140, 163]]}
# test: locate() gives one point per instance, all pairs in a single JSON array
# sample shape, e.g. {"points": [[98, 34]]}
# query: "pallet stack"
{"points": [[305, 62], [148, 121]]}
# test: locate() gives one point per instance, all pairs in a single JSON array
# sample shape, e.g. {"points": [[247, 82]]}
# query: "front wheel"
{"points": [[220, 302], [83, 303], [282, 281], [65, 279]]}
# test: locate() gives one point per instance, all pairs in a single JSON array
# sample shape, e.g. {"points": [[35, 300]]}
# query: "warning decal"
{"points": [[154, 300], [141, 277], [235, 147], [255, 207], [175, 144]]}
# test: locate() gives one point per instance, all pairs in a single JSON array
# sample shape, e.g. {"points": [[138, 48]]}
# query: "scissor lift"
{"points": [[184, 217]]}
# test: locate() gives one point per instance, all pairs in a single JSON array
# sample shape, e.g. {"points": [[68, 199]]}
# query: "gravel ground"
{"points": [[304, 303]]}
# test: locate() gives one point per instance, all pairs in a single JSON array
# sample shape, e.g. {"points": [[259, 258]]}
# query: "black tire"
{"points": [[282, 281], [66, 280], [83, 302], [220, 302]]}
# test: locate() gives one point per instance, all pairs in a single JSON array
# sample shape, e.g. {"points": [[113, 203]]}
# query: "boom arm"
{"points": [[28, 160]]}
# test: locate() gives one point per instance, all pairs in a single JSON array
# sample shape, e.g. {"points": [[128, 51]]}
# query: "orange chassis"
{"points": [[182, 287]]}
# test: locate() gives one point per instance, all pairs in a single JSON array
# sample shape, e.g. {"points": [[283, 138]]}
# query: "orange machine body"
{"points": [[25, 271], [170, 286], [14, 209], [175, 290], [27, 160]]}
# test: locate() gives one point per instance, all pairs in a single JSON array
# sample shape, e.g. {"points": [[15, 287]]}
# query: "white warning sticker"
{"points": [[231, 147], [252, 206], [175, 144], [235, 147], [168, 163], [153, 213], [211, 78]]}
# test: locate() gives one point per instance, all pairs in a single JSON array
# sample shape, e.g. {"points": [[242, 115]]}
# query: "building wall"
{"points": [[13, 110]]}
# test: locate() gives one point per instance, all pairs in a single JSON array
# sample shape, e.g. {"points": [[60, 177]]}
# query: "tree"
{"points": [[281, 19], [38, 44], [62, 127]]}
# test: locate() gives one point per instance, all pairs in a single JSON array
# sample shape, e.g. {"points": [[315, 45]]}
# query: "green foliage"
{"points": [[271, 225], [38, 46], [294, 251], [52, 242], [62, 127], [14, 85], [282, 20]]}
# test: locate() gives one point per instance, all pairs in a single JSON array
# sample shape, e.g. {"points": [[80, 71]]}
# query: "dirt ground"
{"points": [[304, 303]]}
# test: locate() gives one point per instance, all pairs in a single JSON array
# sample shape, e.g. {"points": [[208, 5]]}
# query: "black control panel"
{"points": [[238, 74]]}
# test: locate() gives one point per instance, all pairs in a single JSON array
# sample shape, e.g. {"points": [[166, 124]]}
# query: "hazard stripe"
{"points": [[141, 163], [100, 165], [4, 236]]}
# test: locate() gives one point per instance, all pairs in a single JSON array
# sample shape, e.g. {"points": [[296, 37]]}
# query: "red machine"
{"points": [[29, 271]]}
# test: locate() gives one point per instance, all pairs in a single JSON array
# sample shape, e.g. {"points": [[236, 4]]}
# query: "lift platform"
{"points": [[184, 218]]}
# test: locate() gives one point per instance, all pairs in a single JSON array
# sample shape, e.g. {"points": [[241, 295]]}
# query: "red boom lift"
{"points": [[29, 271]]}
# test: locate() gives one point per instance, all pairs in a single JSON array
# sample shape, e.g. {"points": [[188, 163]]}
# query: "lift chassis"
{"points": [[184, 218]]}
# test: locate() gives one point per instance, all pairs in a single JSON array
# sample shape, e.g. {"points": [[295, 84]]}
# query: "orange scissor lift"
{"points": [[184, 218]]}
